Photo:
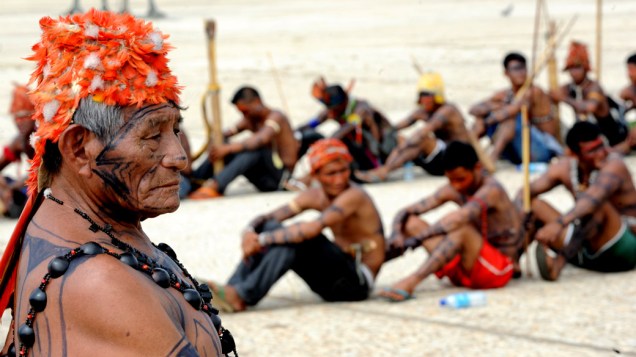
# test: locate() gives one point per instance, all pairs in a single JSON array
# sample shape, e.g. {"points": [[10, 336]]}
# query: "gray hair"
{"points": [[103, 120]]}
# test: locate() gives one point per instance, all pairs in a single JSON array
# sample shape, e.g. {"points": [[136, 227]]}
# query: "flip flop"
{"points": [[368, 177], [218, 297], [403, 295], [542, 262]]}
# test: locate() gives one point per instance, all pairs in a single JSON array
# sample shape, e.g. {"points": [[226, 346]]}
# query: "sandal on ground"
{"points": [[542, 262], [219, 300], [368, 177], [397, 295], [203, 193]]}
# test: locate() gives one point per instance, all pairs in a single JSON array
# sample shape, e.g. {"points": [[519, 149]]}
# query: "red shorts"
{"points": [[492, 269]]}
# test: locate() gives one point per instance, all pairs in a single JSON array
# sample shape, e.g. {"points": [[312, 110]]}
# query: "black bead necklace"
{"points": [[198, 296]]}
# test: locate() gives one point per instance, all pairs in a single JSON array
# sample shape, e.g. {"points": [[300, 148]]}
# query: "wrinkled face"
{"points": [[334, 177], [593, 152], [462, 180], [631, 72], [140, 165], [427, 101], [577, 73], [516, 72]]}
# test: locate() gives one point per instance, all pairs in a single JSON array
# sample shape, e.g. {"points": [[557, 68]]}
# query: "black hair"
{"points": [[513, 56], [581, 132], [459, 154], [334, 96], [631, 59], [245, 93]]}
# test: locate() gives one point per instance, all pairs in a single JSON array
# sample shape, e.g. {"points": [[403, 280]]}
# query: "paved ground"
{"points": [[584, 314]]}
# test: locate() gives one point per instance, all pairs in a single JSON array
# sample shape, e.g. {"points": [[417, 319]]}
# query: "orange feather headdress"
{"points": [[116, 59]]}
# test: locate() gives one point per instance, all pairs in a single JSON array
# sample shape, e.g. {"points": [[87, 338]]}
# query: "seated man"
{"points": [[368, 134], [266, 158], [476, 246], [342, 270], [499, 117], [586, 97], [443, 123], [598, 232], [12, 188], [628, 95], [79, 272]]}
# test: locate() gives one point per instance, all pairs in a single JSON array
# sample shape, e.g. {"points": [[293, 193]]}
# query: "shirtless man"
{"points": [[586, 97], [499, 117], [628, 96], [266, 158], [598, 232], [12, 188], [476, 246], [84, 278], [342, 270], [368, 134], [443, 123]]}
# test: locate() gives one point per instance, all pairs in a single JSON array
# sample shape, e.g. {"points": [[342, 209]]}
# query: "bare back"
{"points": [[285, 143]]}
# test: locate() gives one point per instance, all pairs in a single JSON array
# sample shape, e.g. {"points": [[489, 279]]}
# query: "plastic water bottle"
{"points": [[408, 171], [463, 300]]}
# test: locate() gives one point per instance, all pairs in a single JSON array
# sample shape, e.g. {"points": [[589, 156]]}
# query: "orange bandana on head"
{"points": [[577, 56], [21, 105], [115, 58], [325, 151]]}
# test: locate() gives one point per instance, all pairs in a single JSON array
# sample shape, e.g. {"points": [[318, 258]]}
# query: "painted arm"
{"points": [[342, 207], [425, 205], [419, 114]]}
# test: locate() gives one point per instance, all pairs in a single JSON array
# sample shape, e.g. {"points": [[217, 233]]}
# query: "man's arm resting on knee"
{"points": [[342, 207], [587, 202]]}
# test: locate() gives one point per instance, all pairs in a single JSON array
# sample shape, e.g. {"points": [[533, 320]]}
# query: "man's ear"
{"points": [[75, 145]]}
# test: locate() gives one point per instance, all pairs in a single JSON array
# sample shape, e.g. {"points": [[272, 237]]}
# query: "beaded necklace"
{"points": [[197, 295]]}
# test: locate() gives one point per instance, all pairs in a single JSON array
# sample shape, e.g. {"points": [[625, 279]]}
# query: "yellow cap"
{"points": [[432, 82]]}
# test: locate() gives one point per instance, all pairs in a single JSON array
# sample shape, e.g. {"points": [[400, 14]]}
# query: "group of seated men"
{"points": [[269, 156], [477, 246]]}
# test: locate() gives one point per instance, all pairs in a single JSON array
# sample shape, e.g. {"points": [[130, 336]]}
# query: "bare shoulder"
{"points": [[615, 163], [122, 303], [313, 198], [278, 116]]}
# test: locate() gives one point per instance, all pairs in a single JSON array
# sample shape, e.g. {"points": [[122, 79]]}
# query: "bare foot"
{"points": [[371, 176]]}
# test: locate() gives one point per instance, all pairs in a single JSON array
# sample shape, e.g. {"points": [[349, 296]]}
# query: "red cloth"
{"points": [[491, 270], [11, 254], [325, 151]]}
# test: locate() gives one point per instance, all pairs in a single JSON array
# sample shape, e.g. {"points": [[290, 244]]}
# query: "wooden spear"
{"points": [[210, 101], [553, 81], [599, 31], [525, 162]]}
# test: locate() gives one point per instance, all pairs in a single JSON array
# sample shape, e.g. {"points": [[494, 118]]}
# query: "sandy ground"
{"points": [[584, 314]]}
